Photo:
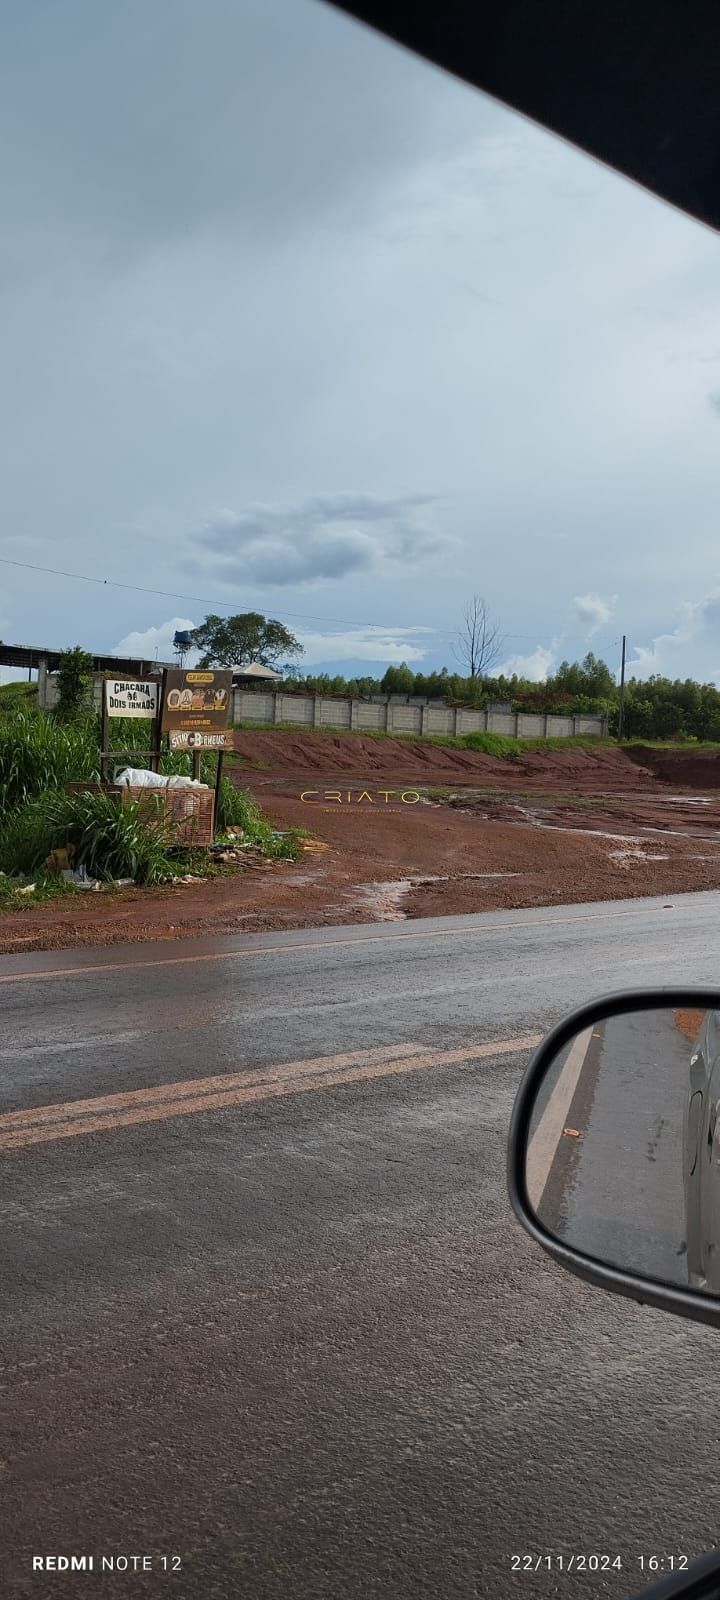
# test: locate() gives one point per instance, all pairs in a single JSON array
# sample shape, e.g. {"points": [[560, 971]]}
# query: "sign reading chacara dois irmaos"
{"points": [[131, 697]]}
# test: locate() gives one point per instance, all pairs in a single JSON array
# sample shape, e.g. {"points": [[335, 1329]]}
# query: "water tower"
{"points": [[182, 642]]}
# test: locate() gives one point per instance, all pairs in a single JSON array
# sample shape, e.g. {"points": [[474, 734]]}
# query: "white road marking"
{"points": [[546, 1138]]}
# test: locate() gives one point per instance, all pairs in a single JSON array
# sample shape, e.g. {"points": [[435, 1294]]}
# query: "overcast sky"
{"points": [[292, 322]]}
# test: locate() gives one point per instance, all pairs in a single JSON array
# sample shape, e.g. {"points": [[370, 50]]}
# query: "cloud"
{"points": [[374, 645], [231, 108], [325, 538], [535, 666], [594, 609], [686, 650], [154, 641], [379, 646], [308, 261]]}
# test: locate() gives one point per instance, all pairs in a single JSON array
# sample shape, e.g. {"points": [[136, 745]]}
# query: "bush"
{"points": [[491, 744], [73, 677], [39, 757], [112, 839]]}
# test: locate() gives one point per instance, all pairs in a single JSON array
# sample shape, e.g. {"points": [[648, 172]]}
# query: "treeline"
{"points": [[655, 708]]}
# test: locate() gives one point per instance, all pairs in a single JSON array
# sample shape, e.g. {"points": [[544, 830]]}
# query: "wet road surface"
{"points": [[281, 1326]]}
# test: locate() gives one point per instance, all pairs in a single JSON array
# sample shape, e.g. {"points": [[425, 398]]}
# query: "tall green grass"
{"points": [[112, 839], [40, 757], [38, 754]]}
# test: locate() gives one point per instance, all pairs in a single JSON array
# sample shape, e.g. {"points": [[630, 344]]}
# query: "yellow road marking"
{"points": [[42, 1124], [195, 1088], [320, 944]]}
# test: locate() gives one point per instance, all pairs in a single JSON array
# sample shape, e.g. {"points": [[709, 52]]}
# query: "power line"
{"points": [[171, 594], [222, 605]]}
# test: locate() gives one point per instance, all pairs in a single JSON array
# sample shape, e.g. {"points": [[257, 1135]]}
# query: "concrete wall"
{"points": [[394, 715], [48, 694], [315, 711]]}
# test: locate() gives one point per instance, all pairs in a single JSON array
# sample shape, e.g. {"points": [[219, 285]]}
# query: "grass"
{"points": [[16, 695], [38, 754], [21, 893], [111, 839], [40, 758], [687, 746], [236, 808]]}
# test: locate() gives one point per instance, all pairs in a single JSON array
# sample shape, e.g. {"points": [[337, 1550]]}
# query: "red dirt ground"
{"points": [[286, 759], [545, 829]]}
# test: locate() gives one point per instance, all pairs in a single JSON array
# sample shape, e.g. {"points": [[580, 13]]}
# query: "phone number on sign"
{"points": [[563, 1563]]}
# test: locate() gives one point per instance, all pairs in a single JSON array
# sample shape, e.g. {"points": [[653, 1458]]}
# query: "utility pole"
{"points": [[622, 692]]}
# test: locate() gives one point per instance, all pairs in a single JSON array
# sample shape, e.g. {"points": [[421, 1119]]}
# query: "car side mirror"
{"points": [[614, 1150]]}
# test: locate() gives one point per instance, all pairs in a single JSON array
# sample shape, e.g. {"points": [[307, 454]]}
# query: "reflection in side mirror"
{"points": [[622, 1145]]}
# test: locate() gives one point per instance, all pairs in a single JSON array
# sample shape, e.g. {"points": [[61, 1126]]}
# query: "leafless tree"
{"points": [[479, 640]]}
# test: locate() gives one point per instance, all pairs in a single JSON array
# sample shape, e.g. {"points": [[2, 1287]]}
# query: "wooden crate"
{"points": [[190, 811]]}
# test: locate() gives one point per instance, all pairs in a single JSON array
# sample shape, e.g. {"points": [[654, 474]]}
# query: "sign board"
{"points": [[196, 702], [132, 697], [200, 741]]}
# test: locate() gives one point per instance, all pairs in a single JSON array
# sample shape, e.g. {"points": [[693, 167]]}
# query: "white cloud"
{"points": [[594, 609], [689, 650], [374, 645], [154, 642], [535, 666]]}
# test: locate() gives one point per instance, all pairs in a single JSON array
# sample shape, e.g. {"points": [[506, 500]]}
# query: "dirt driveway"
{"points": [[485, 834]]}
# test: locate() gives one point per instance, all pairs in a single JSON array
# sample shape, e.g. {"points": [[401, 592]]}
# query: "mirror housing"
{"points": [[695, 1303]]}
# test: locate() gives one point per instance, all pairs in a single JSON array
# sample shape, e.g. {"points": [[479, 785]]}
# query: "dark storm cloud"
{"points": [[171, 117]]}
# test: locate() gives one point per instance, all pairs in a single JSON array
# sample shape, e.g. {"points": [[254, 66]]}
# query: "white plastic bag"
{"points": [[140, 778]]}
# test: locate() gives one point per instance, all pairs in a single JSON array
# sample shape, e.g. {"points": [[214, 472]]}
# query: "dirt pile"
{"points": [[287, 759], [691, 769]]}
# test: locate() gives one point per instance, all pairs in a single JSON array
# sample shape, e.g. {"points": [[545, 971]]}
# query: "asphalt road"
{"points": [[281, 1327], [610, 1167]]}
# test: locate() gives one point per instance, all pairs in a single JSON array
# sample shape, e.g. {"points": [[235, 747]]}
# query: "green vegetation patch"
{"points": [[110, 836]]}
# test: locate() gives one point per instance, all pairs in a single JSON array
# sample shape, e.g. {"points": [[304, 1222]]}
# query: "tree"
{"points": [[478, 640], [398, 680], [235, 641], [588, 677], [74, 677], [599, 680]]}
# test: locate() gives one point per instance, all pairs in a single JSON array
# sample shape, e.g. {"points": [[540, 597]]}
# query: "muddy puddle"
{"points": [[386, 901], [630, 818]]}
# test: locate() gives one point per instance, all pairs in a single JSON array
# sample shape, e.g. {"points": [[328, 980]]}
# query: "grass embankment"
{"points": [[684, 746], [16, 695], [488, 743]]}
